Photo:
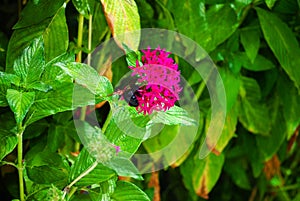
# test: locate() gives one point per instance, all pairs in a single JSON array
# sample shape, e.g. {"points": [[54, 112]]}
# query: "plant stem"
{"points": [[80, 35], [200, 89], [90, 39], [19, 8], [8, 163], [20, 162], [78, 59], [86, 172]]}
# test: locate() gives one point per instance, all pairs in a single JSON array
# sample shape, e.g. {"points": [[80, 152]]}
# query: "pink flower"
{"points": [[160, 80], [118, 149]]}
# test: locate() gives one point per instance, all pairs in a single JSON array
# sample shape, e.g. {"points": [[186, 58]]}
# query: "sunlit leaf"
{"points": [[208, 28], [83, 7], [51, 193], [231, 90], [270, 3], [29, 67], [202, 174], [125, 135], [174, 116], [123, 17], [56, 35], [124, 167], [126, 191], [228, 130], [19, 103], [53, 29], [52, 102], [88, 77], [37, 11], [82, 163]]}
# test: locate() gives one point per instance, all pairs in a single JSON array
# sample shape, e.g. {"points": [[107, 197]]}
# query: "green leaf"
{"points": [[87, 76], [290, 100], [5, 83], [124, 135], [225, 18], [8, 142], [56, 137], [248, 144], [131, 56], [19, 103], [83, 162], [52, 102], [56, 35], [208, 173], [37, 11], [40, 86], [123, 17], [54, 32], [124, 167], [191, 14], [231, 90], [30, 66], [20, 39], [269, 145], [84, 7], [251, 41], [202, 174], [282, 42], [270, 3], [50, 193], [174, 116], [53, 75], [238, 173], [126, 191], [36, 129], [208, 28], [166, 136], [254, 115], [260, 63], [228, 129], [47, 168]]}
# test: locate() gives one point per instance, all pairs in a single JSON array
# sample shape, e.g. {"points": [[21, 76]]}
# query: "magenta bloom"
{"points": [[159, 78]]}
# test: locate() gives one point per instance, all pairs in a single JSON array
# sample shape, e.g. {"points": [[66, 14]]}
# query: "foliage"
{"points": [[50, 146]]}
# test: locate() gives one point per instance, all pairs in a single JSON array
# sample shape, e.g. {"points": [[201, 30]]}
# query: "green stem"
{"points": [[80, 35], [86, 172], [72, 191], [19, 8], [200, 89], [287, 188], [78, 59], [8, 163], [20, 162], [90, 39]]}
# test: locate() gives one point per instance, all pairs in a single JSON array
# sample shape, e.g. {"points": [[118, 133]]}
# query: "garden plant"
{"points": [[139, 100]]}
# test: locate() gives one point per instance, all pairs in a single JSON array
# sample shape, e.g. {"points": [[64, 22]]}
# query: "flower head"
{"points": [[160, 78], [101, 148]]}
